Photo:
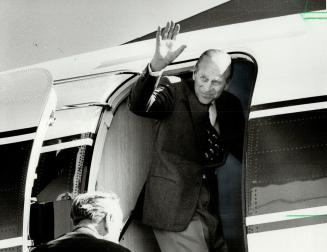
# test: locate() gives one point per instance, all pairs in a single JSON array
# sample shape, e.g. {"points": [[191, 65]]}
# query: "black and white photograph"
{"points": [[163, 126]]}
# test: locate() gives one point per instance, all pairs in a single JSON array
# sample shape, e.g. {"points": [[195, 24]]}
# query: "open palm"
{"points": [[167, 47]]}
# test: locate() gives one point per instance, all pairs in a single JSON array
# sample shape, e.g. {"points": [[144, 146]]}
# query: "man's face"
{"points": [[210, 80]]}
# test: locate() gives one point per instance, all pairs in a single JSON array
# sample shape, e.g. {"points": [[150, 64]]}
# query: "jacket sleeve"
{"points": [[152, 97]]}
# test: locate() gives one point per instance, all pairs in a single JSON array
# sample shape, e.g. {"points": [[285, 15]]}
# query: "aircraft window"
{"points": [[85, 90], [12, 187], [127, 155]]}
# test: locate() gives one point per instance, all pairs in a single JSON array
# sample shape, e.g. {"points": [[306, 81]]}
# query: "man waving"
{"points": [[198, 124]]}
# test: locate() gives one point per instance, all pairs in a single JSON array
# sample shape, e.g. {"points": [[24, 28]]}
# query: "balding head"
{"points": [[211, 75], [220, 59]]}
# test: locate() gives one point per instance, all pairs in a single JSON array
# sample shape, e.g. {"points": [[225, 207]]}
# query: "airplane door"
{"points": [[27, 102], [286, 176], [71, 151], [123, 164]]}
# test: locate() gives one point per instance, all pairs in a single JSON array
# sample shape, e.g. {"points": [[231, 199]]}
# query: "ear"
{"points": [[105, 223], [102, 227], [227, 86]]}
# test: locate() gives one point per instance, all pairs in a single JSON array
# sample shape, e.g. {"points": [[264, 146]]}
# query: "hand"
{"points": [[167, 49]]}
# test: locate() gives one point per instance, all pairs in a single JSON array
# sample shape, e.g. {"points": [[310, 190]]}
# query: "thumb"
{"points": [[180, 50]]}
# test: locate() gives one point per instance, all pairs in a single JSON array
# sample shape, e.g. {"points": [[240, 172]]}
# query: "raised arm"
{"points": [[167, 47], [146, 98]]}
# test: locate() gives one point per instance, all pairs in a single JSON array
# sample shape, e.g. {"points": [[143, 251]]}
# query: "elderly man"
{"points": [[97, 219], [198, 124]]}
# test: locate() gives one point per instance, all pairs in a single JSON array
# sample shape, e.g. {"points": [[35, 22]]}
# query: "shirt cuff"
{"points": [[154, 74]]}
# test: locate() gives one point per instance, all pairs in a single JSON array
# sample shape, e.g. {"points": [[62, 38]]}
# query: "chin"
{"points": [[204, 100]]}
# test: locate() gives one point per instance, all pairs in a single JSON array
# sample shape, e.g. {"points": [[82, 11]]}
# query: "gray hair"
{"points": [[94, 206], [212, 53]]}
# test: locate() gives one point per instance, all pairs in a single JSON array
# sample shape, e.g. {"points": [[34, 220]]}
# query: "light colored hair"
{"points": [[94, 206], [211, 53]]}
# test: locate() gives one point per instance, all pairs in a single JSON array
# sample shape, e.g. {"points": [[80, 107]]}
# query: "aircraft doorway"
{"points": [[127, 154]]}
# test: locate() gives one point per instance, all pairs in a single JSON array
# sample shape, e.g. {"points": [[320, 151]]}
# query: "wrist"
{"points": [[154, 73]]}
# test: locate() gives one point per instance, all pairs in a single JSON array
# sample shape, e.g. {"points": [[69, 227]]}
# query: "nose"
{"points": [[207, 87]]}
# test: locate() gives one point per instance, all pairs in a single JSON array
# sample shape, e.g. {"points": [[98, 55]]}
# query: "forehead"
{"points": [[210, 73], [211, 68]]}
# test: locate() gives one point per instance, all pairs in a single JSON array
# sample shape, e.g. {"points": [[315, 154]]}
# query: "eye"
{"points": [[217, 83], [203, 78]]}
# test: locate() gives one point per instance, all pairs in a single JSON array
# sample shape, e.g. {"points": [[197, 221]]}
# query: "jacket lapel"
{"points": [[199, 115]]}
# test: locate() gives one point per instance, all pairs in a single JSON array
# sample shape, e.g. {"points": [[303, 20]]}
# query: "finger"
{"points": [[165, 31], [171, 30], [176, 31], [180, 50], [158, 35]]}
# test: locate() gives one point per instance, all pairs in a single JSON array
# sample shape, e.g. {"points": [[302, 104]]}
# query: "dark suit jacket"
{"points": [[80, 241], [175, 176]]}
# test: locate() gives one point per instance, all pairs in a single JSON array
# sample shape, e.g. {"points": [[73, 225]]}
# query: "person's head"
{"points": [[101, 210], [211, 75]]}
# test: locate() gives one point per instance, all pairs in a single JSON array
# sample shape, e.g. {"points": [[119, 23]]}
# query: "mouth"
{"points": [[207, 96]]}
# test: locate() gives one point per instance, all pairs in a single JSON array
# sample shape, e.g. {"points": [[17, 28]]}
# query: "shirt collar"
{"points": [[90, 230]]}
